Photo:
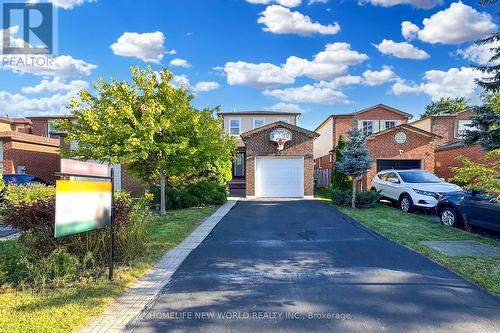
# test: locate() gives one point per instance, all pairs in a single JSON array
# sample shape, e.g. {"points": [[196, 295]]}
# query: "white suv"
{"points": [[411, 188]]}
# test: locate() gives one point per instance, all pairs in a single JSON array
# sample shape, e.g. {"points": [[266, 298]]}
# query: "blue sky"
{"points": [[320, 58]]}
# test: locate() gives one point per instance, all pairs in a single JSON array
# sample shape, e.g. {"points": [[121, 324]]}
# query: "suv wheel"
{"points": [[449, 217], [406, 203]]}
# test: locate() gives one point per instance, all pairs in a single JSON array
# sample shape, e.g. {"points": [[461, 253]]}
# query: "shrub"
{"points": [[202, 193], [364, 199], [46, 258]]}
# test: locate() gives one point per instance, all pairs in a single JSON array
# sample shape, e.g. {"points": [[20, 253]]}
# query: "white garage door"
{"points": [[279, 177]]}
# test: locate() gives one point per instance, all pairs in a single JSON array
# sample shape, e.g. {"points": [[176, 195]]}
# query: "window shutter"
{"points": [[360, 124], [375, 124], [382, 125], [398, 122]]}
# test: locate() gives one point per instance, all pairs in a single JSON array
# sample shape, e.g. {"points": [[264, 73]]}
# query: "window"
{"points": [[463, 125], [234, 126], [285, 120], [258, 122], [367, 127], [389, 124]]}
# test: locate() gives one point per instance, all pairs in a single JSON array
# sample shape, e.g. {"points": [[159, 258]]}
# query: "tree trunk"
{"points": [[353, 200], [162, 192]]}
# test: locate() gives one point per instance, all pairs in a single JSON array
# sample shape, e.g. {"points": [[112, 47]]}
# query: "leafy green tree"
{"points": [[485, 126], [340, 180], [490, 83], [356, 159], [445, 106], [151, 128]]}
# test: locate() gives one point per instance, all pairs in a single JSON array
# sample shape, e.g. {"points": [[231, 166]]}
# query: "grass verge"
{"points": [[66, 309], [410, 229]]}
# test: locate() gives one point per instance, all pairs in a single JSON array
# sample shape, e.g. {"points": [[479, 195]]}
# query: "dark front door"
{"points": [[398, 164], [239, 165]]}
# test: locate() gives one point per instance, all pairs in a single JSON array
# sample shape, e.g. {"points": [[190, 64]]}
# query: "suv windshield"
{"points": [[418, 177]]}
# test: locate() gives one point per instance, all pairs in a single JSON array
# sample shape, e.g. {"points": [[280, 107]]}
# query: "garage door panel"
{"points": [[279, 177]]}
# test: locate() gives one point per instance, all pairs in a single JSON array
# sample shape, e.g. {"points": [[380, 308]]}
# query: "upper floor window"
{"points": [[389, 124], [463, 126], [285, 120], [367, 127], [234, 126], [258, 122]]}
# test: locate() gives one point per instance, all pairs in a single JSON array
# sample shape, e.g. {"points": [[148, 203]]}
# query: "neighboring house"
{"points": [[260, 168], [45, 126], [22, 152], [450, 146], [392, 143]]}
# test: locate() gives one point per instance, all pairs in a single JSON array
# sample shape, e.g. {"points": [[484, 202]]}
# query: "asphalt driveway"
{"points": [[302, 266]]}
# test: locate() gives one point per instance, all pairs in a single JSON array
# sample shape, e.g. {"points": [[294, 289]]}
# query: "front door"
{"points": [[239, 165]]}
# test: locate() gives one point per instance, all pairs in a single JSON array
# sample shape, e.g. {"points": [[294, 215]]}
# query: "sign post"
{"points": [[85, 205]]}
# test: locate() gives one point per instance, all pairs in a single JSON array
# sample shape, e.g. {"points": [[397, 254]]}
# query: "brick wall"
{"points": [[260, 145], [417, 146], [447, 126], [447, 158], [132, 185], [40, 160], [39, 127]]}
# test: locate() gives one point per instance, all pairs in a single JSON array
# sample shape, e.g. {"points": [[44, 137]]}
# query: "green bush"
{"points": [[364, 199], [44, 258], [202, 193], [26, 194]]}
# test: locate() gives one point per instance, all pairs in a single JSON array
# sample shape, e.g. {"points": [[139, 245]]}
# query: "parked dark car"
{"points": [[22, 179], [473, 207]]}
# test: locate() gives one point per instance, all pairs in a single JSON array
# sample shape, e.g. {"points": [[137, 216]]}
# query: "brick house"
{"points": [[23, 152], [392, 143], [263, 170], [44, 126], [450, 146]]}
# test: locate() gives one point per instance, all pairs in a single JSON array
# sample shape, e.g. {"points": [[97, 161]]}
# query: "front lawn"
{"points": [[410, 229], [68, 308]]}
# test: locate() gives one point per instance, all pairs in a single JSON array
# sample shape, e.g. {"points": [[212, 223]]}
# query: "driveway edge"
{"points": [[130, 304]]}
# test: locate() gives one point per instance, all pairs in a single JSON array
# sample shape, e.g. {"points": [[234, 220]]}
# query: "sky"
{"points": [[318, 57]]}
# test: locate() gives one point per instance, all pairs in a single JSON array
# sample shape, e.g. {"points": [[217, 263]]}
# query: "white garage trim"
{"points": [[276, 183]]}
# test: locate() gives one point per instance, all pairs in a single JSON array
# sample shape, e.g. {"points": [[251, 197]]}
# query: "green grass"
{"points": [[410, 229], [68, 308]]}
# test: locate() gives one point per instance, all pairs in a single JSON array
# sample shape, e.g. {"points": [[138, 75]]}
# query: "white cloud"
{"points": [[281, 20], [286, 3], [455, 82], [409, 30], [426, 4], [312, 2], [376, 78], [285, 107], [329, 64], [180, 63], [64, 4], [61, 66], [18, 105], [479, 54], [206, 86], [57, 84], [457, 24], [149, 46], [401, 50], [309, 94], [183, 81]]}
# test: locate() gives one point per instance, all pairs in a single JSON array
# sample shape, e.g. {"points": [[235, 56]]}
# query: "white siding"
{"points": [[324, 143]]}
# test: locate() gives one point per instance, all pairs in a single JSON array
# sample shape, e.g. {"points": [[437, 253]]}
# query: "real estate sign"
{"points": [[81, 206]]}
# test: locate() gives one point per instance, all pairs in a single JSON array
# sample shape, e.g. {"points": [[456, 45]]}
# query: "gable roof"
{"points": [[353, 114], [258, 112], [407, 127], [255, 131]]}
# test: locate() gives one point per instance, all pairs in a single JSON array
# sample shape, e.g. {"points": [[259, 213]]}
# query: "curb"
{"points": [[130, 304]]}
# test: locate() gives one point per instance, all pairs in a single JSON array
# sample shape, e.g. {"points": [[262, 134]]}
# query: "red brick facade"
{"points": [[39, 155], [258, 144], [446, 158], [447, 126]]}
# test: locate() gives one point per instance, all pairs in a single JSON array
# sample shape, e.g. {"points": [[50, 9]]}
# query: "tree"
{"points": [[490, 83], [485, 126], [355, 159], [151, 128], [445, 106], [340, 180]]}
